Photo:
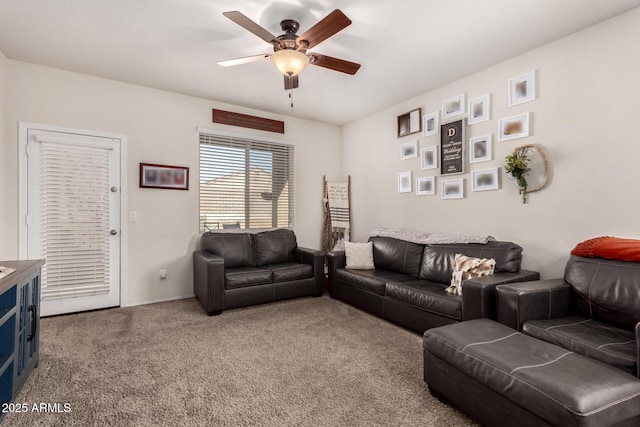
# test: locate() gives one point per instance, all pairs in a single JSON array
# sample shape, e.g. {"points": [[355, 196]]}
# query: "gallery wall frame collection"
{"points": [[455, 149]]}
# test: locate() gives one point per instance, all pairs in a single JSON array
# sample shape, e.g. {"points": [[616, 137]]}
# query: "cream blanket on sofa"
{"points": [[422, 237]]}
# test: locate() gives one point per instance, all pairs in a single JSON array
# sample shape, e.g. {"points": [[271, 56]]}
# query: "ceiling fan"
{"points": [[290, 50]]}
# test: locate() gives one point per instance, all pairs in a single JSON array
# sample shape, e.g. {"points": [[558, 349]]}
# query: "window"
{"points": [[245, 183]]}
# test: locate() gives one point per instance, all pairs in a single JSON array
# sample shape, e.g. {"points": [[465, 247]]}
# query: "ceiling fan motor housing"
{"points": [[288, 40]]}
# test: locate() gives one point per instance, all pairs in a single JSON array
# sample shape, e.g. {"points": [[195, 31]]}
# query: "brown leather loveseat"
{"points": [[237, 269]]}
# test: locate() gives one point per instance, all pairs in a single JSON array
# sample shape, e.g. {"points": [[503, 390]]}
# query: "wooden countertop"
{"points": [[23, 270]]}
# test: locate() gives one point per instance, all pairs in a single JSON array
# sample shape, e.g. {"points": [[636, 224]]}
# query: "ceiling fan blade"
{"points": [[290, 82], [244, 60], [328, 26], [333, 63], [251, 26]]}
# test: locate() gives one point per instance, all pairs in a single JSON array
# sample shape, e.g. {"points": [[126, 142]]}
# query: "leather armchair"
{"points": [[594, 310]]}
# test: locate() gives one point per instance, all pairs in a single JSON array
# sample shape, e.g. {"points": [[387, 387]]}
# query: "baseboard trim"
{"points": [[153, 301]]}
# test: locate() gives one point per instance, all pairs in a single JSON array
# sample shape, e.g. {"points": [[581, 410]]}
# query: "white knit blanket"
{"points": [[429, 238], [338, 193]]}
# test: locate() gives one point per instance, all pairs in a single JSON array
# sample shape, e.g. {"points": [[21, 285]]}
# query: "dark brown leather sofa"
{"points": [[408, 283], [236, 269], [564, 352]]}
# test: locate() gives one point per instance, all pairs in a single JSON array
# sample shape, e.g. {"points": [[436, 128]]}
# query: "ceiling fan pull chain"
{"points": [[291, 98]]}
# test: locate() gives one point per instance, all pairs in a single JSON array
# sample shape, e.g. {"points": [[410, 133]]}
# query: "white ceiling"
{"points": [[406, 47]]}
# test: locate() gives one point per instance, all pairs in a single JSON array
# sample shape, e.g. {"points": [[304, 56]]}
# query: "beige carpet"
{"points": [[304, 362]]}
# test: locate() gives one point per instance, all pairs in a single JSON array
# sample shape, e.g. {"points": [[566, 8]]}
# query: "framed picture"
{"points": [[452, 143], [486, 179], [514, 127], [431, 124], [409, 150], [426, 186], [522, 89], [452, 188], [453, 106], [404, 182], [162, 176], [479, 109], [429, 158], [409, 123], [480, 149]]}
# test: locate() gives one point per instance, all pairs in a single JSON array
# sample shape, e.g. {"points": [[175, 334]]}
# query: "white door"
{"points": [[73, 218]]}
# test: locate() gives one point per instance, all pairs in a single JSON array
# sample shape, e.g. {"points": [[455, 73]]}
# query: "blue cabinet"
{"points": [[19, 325]]}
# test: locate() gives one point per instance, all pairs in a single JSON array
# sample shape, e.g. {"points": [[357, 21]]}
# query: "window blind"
{"points": [[245, 183], [74, 220]]}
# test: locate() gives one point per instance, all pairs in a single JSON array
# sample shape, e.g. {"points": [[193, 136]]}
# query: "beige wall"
{"points": [[160, 128], [585, 117]]}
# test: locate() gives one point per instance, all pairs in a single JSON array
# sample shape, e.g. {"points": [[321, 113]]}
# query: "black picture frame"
{"points": [[452, 147], [164, 176]]}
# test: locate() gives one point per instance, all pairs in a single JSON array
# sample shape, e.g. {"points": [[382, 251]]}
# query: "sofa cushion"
{"points": [[606, 290], [397, 255], [437, 263], [287, 271], [426, 296], [241, 277], [359, 255], [236, 249], [371, 280], [274, 246], [597, 340]]}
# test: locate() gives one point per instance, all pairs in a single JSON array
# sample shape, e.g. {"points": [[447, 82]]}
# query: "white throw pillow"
{"points": [[359, 255]]}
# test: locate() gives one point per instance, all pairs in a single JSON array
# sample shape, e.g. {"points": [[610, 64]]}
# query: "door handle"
{"points": [[113, 232]]}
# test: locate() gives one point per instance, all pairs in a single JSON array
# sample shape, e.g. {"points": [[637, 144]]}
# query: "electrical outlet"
{"points": [[163, 273]]}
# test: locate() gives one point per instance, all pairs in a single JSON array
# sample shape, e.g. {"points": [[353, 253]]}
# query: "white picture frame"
{"points": [[426, 186], [479, 109], [431, 123], [485, 179], [514, 127], [522, 88], [453, 106], [409, 150], [429, 158], [404, 182], [480, 149], [452, 188]]}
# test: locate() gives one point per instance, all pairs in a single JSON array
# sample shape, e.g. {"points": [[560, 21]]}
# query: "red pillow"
{"points": [[609, 248]]}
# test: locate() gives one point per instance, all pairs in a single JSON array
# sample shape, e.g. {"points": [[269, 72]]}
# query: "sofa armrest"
{"points": [[208, 281], [315, 258], [543, 299], [335, 260], [479, 293]]}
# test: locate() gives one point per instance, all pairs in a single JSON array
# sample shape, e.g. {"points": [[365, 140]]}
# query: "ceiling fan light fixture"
{"points": [[290, 62]]}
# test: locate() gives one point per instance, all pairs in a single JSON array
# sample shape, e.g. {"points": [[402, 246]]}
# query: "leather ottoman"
{"points": [[501, 377]]}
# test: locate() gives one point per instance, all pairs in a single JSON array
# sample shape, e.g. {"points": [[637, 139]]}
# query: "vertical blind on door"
{"points": [[74, 220], [245, 183]]}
